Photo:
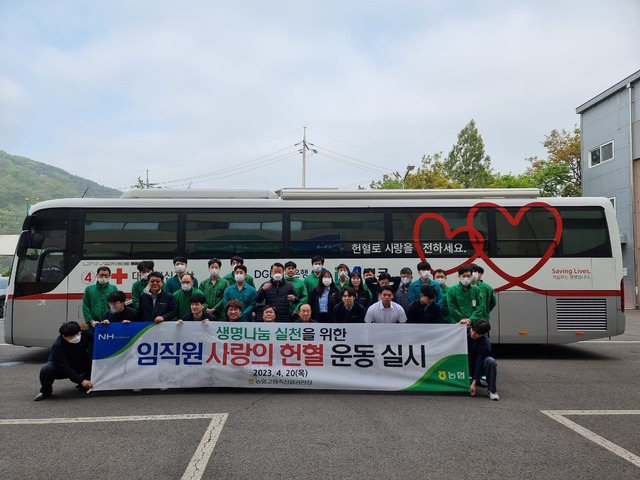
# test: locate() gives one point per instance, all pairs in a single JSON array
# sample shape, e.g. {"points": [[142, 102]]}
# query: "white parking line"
{"points": [[559, 416], [610, 342], [197, 464]]}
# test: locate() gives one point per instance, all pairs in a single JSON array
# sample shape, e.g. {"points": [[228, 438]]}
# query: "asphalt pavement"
{"points": [[565, 411]]}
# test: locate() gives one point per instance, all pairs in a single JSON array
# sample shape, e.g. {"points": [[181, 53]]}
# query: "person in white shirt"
{"points": [[385, 310]]}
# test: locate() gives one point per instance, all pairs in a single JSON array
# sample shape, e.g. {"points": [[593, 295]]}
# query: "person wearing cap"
{"points": [[197, 313]]}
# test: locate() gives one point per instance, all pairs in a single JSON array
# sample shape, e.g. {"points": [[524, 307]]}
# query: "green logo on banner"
{"points": [[449, 374]]}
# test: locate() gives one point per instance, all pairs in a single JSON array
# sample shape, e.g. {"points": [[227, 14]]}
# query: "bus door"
{"points": [[39, 302]]}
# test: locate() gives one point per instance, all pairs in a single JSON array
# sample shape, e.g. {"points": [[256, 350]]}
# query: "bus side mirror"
{"points": [[28, 222], [23, 242]]}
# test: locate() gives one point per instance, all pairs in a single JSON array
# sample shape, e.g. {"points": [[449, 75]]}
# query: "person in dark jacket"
{"points": [[480, 360], [197, 313], [363, 295], [425, 310], [70, 357], [118, 310], [278, 293], [158, 305], [324, 298], [348, 311]]}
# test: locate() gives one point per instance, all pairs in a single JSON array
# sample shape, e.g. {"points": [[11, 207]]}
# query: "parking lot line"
{"points": [[560, 416], [200, 458]]}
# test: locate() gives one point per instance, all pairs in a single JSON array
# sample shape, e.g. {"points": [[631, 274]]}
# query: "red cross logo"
{"points": [[119, 276]]}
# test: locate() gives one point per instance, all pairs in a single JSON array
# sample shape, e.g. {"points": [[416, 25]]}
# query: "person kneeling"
{"points": [[70, 357]]}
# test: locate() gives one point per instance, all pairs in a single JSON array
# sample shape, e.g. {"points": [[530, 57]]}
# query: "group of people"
{"points": [[353, 298]]}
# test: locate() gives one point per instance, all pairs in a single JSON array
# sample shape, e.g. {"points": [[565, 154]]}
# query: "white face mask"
{"points": [[239, 278], [179, 268], [186, 287], [75, 339], [290, 276], [214, 272], [143, 276], [440, 281], [342, 274], [317, 268], [103, 280], [276, 277], [426, 275], [475, 276], [405, 280], [326, 281], [465, 281], [114, 309]]}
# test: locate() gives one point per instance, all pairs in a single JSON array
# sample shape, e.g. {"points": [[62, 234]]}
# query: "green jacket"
{"points": [[94, 302], [301, 291], [489, 298], [215, 295], [231, 278], [465, 303], [183, 299], [311, 281], [136, 290]]}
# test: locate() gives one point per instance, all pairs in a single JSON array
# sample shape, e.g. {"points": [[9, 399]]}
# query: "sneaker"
{"points": [[494, 396], [41, 396], [483, 382]]}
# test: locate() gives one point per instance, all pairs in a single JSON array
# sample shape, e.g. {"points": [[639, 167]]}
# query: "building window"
{"points": [[602, 154]]}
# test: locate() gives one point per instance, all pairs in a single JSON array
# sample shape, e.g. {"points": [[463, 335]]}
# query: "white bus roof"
{"points": [[315, 198]]}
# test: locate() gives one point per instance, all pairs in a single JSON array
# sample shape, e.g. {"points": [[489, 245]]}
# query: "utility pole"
{"points": [[147, 178], [303, 151]]}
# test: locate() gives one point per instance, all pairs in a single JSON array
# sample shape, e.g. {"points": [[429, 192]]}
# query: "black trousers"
{"points": [[50, 372]]}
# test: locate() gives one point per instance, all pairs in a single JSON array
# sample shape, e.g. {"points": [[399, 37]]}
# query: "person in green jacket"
{"points": [[465, 301], [311, 281], [183, 296], [213, 289], [298, 285], [144, 267], [95, 301], [440, 277], [231, 276], [487, 290]]}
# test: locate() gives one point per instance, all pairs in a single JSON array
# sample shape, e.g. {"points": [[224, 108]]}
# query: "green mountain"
{"points": [[22, 177]]}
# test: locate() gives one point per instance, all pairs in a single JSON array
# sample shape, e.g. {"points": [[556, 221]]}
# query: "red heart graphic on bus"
{"points": [[477, 240], [447, 231]]}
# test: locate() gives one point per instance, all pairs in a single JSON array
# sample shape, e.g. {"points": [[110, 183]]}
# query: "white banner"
{"points": [[412, 357]]}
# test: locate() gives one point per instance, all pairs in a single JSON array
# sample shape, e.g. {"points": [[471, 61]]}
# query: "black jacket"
{"points": [[355, 315], [165, 306], [276, 296], [420, 313], [127, 314], [314, 302], [73, 359]]}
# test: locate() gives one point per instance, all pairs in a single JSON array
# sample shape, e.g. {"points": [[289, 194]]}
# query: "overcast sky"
{"points": [[214, 94]]}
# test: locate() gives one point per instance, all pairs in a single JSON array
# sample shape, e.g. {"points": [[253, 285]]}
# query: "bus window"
{"points": [[224, 233], [336, 232], [432, 230], [585, 233], [530, 237], [124, 234]]}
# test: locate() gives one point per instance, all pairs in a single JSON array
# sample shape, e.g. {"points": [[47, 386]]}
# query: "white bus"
{"points": [[555, 263]]}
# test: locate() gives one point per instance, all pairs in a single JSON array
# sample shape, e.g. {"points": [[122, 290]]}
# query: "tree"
{"points": [[387, 183], [563, 164], [467, 163], [430, 174], [510, 180]]}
